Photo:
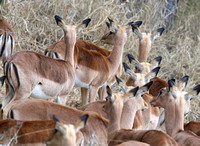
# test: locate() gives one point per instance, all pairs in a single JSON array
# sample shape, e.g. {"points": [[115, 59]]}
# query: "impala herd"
{"points": [[130, 117]]}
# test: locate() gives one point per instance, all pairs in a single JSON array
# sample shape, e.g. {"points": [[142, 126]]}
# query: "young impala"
{"points": [[7, 40], [172, 99], [113, 107], [65, 134], [31, 74]]}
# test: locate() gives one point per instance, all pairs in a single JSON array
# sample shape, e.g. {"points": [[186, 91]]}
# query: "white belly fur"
{"points": [[80, 83], [37, 93]]}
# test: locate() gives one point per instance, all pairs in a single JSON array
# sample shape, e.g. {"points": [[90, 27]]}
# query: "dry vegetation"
{"points": [[35, 29]]}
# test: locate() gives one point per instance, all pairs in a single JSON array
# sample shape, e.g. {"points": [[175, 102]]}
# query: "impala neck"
{"points": [[128, 114], [70, 41], [174, 116], [115, 56], [144, 48], [114, 121]]}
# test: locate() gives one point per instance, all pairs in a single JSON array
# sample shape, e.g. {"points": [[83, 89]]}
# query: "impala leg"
{"points": [[84, 92], [93, 93], [102, 92]]}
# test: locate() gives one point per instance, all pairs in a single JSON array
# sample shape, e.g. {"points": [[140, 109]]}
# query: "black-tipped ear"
{"points": [[170, 83], [197, 88], [58, 19], [138, 23], [110, 20], [109, 91], [185, 79], [134, 90], [130, 23], [84, 118], [130, 57], [174, 80], [86, 22], [55, 119], [156, 70], [148, 85], [158, 59], [160, 30], [108, 24], [125, 66], [118, 80], [133, 27]]}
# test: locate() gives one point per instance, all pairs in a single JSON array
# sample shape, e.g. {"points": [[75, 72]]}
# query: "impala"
{"points": [[192, 126], [38, 109], [113, 107], [31, 74], [7, 40], [65, 134], [91, 61], [145, 40], [172, 99]]}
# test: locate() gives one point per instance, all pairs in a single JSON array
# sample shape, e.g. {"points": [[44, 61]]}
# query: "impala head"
{"points": [[70, 28], [65, 135], [148, 36], [144, 67], [115, 31], [174, 94], [140, 78]]}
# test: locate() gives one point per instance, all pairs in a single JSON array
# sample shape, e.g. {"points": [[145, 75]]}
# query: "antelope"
{"points": [[38, 109], [144, 119], [7, 40], [92, 60], [145, 40], [113, 107], [46, 73], [172, 99], [15, 132], [192, 126], [65, 135]]}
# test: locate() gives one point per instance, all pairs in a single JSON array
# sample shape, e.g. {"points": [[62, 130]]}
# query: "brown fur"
{"points": [[172, 100], [192, 126], [35, 109], [94, 65], [46, 73], [5, 30]]}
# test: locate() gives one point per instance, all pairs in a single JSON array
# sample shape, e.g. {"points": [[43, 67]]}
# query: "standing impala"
{"points": [[89, 63], [7, 40], [113, 107], [31, 74], [172, 99], [145, 40]]}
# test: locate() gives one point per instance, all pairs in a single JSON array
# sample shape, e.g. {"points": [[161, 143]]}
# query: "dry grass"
{"points": [[35, 28]]}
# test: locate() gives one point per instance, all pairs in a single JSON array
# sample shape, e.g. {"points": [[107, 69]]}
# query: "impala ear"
{"points": [[157, 34], [86, 22], [144, 88], [81, 123], [130, 57], [134, 91], [121, 84], [108, 25], [170, 85], [109, 92], [129, 72], [191, 94], [156, 62], [152, 74], [182, 83]]}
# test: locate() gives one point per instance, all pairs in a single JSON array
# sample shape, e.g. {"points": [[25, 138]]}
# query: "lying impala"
{"points": [[172, 99], [14, 132], [145, 40], [37, 109], [65, 135], [46, 73], [113, 107], [7, 40], [91, 61]]}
